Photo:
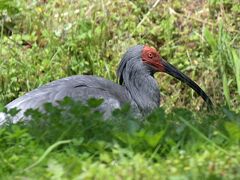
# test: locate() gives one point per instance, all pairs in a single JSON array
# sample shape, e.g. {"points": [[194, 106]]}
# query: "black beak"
{"points": [[171, 70]]}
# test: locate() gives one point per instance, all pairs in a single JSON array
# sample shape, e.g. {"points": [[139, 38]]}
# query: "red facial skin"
{"points": [[153, 58]]}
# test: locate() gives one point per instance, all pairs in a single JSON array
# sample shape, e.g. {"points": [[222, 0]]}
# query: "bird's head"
{"points": [[152, 59]]}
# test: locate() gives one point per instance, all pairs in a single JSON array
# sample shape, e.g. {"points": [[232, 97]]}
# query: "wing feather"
{"points": [[77, 87]]}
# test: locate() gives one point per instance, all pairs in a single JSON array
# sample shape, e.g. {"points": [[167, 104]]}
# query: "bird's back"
{"points": [[80, 87]]}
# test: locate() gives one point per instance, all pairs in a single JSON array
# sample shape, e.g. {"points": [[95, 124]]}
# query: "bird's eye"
{"points": [[150, 55]]}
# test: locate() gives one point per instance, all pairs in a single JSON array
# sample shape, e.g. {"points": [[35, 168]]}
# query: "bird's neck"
{"points": [[142, 87]]}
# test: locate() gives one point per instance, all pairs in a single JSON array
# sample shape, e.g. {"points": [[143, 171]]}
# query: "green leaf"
{"points": [[154, 139], [92, 102], [2, 107], [211, 40], [233, 130], [55, 169]]}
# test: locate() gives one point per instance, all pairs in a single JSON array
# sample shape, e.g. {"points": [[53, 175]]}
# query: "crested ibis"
{"points": [[136, 86]]}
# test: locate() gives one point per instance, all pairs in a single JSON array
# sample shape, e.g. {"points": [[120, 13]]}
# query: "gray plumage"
{"points": [[136, 86], [138, 80]]}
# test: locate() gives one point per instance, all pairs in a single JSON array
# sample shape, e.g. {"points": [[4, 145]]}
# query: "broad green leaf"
{"points": [[233, 130]]}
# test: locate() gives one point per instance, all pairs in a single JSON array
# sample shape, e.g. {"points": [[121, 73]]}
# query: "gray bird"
{"points": [[136, 86]]}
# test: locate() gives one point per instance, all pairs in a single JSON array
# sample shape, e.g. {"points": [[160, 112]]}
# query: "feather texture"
{"points": [[136, 87]]}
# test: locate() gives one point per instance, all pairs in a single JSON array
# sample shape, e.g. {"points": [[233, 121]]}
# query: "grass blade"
{"points": [[46, 153]]}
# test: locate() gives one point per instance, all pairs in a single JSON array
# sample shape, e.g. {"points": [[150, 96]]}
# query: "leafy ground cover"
{"points": [[72, 141], [44, 40]]}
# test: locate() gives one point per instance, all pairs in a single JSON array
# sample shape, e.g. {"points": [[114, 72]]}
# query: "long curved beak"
{"points": [[171, 70]]}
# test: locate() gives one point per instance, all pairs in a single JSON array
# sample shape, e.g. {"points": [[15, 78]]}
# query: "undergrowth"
{"points": [[73, 140], [41, 41]]}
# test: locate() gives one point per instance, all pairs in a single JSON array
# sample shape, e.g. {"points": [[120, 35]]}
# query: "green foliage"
{"points": [[66, 139], [41, 41], [47, 40], [228, 58], [10, 6]]}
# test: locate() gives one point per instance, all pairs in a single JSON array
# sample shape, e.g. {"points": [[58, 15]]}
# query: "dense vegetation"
{"points": [[44, 40]]}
